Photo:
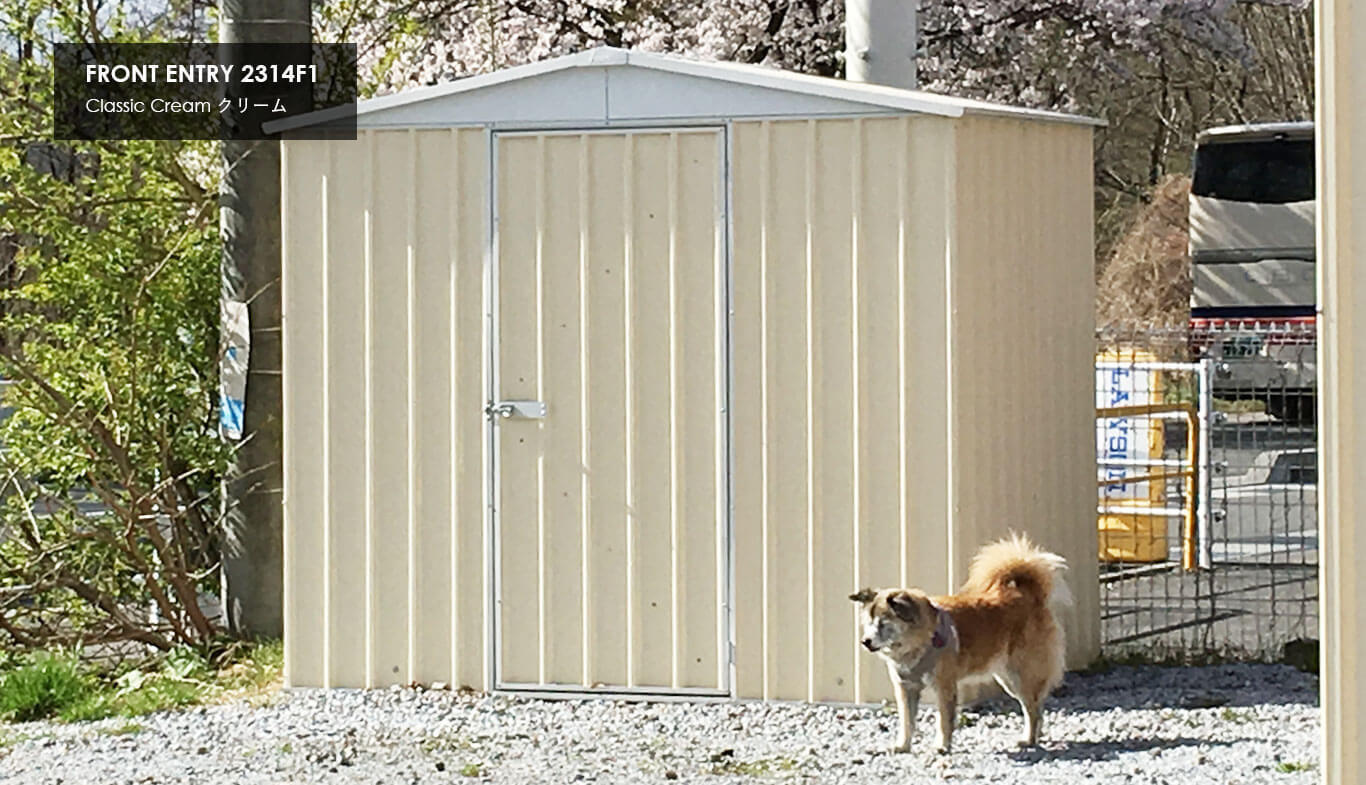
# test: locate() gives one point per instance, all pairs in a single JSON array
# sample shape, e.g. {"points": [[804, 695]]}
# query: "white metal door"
{"points": [[608, 411]]}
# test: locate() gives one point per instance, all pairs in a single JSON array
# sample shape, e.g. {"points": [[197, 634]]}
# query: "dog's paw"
{"points": [[897, 749], [1025, 744]]}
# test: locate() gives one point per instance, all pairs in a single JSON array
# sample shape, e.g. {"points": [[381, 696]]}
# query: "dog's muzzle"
{"points": [[869, 645]]}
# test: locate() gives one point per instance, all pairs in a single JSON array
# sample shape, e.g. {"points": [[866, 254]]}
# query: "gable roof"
{"points": [[613, 86]]}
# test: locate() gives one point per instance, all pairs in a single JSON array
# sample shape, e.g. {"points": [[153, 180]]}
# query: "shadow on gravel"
{"points": [[1105, 750], [1152, 687]]}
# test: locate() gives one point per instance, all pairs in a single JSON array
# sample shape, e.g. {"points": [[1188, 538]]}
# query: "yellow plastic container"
{"points": [[1123, 536]]}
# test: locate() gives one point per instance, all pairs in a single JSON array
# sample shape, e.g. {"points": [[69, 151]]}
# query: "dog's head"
{"points": [[895, 621]]}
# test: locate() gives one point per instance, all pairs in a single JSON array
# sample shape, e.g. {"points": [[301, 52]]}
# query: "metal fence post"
{"points": [[1204, 464]]}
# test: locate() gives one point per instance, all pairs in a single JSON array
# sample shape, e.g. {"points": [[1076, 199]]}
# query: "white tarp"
{"points": [[1126, 440], [232, 377]]}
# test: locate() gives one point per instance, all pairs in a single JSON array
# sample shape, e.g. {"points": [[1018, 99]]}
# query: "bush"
{"points": [[109, 284]]}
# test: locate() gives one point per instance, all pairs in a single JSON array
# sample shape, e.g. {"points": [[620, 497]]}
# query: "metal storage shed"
{"points": [[791, 335]]}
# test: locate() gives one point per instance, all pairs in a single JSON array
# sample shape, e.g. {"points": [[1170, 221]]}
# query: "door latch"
{"points": [[502, 410]]}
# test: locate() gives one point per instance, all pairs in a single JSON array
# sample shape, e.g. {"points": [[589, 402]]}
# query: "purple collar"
{"points": [[945, 634]]}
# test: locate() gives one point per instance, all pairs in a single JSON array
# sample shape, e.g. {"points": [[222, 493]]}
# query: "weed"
{"points": [[126, 729], [44, 685], [444, 743], [753, 768], [177, 681], [1240, 717], [1292, 766], [251, 672], [57, 685], [471, 770]]}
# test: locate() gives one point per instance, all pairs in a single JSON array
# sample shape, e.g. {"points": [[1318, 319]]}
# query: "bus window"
{"points": [[1265, 172]]}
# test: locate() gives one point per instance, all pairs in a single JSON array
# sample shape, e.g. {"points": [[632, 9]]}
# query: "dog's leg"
{"points": [[947, 691], [1010, 682], [907, 704], [1036, 688], [1033, 719], [1029, 686]]}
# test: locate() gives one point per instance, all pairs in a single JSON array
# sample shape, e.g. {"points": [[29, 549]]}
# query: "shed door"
{"points": [[610, 502]]}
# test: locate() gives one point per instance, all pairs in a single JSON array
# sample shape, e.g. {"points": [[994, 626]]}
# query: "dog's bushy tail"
{"points": [[1015, 563]]}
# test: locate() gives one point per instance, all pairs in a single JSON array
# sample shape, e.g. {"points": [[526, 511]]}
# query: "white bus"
{"points": [[1252, 255]]}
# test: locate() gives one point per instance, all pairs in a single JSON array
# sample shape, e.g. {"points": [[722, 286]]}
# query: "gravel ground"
{"points": [[1224, 724]]}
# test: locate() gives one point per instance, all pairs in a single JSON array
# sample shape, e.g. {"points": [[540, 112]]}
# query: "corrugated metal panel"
{"points": [[383, 301], [610, 283], [845, 413], [1022, 345], [839, 331], [1340, 120]]}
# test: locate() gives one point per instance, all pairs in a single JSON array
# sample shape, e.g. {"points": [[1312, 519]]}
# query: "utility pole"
{"points": [[249, 213], [879, 42]]}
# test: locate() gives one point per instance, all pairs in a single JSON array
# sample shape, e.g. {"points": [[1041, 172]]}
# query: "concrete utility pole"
{"points": [[879, 42], [249, 214]]}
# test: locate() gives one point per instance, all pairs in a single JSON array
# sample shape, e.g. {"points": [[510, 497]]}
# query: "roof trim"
{"points": [[757, 76], [1301, 129]]}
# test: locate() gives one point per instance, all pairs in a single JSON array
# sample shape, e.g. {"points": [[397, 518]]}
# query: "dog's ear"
{"points": [[864, 596], [904, 606]]}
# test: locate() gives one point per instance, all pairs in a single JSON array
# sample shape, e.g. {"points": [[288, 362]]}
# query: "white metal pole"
{"points": [[1204, 411]]}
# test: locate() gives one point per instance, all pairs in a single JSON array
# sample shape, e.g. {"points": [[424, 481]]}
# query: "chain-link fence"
{"points": [[1207, 509]]}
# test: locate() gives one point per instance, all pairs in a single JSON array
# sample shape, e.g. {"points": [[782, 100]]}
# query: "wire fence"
{"points": [[1207, 489]]}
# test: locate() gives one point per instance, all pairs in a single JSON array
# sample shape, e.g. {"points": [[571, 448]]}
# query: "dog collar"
{"points": [[945, 634]]}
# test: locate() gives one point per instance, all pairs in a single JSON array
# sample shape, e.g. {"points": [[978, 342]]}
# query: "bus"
{"points": [[1252, 262]]}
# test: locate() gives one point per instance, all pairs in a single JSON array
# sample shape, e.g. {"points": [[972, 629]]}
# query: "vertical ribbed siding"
{"points": [[1022, 350], [609, 310], [838, 338], [304, 325], [383, 395], [611, 282], [1340, 121]]}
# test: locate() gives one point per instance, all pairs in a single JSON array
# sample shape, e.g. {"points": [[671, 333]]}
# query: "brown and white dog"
{"points": [[1002, 622]]}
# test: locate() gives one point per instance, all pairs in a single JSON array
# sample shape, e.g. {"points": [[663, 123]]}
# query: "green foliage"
{"points": [[182, 678], [251, 667], [109, 285], [43, 686], [47, 685]]}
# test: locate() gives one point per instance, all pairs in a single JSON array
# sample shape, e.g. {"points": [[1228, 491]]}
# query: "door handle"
{"points": [[502, 410]]}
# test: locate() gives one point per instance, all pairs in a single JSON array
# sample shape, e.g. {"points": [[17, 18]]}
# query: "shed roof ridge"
{"points": [[749, 74]]}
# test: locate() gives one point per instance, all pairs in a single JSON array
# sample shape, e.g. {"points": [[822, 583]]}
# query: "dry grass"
{"points": [[255, 675], [1146, 281]]}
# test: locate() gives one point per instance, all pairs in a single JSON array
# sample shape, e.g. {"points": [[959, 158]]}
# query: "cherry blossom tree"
{"points": [[1158, 70]]}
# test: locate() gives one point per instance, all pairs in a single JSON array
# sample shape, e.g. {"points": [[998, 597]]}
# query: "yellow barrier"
{"points": [[1142, 549]]}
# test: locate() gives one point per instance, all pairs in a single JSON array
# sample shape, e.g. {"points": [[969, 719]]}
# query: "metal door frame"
{"points": [[725, 485]]}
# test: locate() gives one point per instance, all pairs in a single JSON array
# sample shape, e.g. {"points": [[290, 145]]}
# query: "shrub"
{"points": [[43, 686]]}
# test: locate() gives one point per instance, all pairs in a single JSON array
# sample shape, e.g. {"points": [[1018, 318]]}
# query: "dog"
{"points": [[1002, 622]]}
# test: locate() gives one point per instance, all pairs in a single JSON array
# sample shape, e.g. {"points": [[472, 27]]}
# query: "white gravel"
{"points": [[1224, 724]]}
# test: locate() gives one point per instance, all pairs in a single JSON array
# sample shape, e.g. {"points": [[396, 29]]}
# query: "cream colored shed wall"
{"points": [[1022, 348], [839, 408], [845, 413], [1341, 130], [384, 244]]}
